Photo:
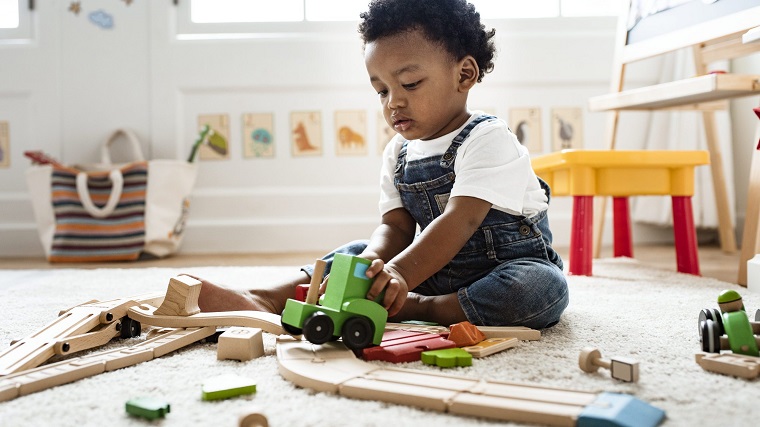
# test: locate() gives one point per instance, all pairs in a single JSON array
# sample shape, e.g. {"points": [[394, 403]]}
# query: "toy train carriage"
{"points": [[343, 311]]}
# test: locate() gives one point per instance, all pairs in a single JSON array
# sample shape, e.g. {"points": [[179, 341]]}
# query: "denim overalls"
{"points": [[507, 274]]}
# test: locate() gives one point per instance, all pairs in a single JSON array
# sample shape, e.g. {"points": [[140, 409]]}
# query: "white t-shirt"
{"points": [[490, 164]]}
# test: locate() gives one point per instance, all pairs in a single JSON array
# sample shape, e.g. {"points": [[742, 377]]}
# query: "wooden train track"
{"points": [[334, 368]]}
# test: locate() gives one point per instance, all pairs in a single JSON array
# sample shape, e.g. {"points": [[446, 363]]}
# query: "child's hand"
{"points": [[388, 279]]}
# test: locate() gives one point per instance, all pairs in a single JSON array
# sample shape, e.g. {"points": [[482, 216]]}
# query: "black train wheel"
{"points": [[357, 333], [318, 328], [710, 336]]}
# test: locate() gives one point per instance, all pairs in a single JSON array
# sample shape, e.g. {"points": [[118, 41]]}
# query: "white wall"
{"points": [[65, 92]]}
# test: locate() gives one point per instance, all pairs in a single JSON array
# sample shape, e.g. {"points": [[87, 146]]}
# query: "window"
{"points": [[15, 21], [303, 16]]}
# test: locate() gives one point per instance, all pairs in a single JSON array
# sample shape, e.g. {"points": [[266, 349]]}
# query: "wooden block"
{"points": [[227, 386], [181, 297], [465, 334], [447, 358], [147, 407], [405, 346], [490, 346], [519, 332], [240, 344], [301, 292]]}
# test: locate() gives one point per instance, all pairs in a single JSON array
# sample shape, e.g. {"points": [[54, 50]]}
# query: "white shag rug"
{"points": [[625, 309]]}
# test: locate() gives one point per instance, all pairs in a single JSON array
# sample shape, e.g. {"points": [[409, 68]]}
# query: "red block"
{"points": [[406, 346], [301, 291]]}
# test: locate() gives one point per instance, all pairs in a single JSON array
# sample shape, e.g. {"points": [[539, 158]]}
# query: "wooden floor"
{"points": [[713, 262]]}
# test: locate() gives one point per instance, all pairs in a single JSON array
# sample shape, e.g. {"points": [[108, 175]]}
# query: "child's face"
{"points": [[419, 84]]}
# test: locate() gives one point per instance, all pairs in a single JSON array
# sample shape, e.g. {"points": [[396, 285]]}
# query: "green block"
{"points": [[148, 407], [226, 386], [447, 358]]}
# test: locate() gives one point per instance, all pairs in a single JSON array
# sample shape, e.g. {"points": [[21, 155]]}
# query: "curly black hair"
{"points": [[455, 24]]}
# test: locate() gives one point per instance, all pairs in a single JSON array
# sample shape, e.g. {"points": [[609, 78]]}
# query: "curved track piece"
{"points": [[333, 368], [267, 322]]}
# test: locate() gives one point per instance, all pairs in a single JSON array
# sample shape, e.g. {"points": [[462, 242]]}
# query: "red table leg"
{"points": [[582, 236], [685, 235], [621, 232]]}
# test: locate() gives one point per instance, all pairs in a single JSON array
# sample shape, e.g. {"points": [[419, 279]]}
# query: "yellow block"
{"points": [[619, 172]]}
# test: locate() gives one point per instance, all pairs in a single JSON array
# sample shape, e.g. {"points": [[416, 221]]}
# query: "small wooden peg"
{"points": [[316, 279], [621, 368]]}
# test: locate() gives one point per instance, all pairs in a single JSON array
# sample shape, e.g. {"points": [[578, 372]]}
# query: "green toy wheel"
{"points": [[318, 328], [739, 331], [357, 333]]}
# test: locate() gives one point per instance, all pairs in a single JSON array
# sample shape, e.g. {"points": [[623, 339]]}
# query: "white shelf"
{"points": [[696, 90]]}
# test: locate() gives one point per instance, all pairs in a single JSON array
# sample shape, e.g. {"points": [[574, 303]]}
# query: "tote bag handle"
{"points": [[105, 150], [117, 181]]}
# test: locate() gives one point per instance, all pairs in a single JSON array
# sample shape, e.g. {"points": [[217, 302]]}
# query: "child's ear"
{"points": [[468, 73]]}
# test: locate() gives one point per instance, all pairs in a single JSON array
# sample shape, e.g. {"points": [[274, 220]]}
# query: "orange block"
{"points": [[465, 334]]}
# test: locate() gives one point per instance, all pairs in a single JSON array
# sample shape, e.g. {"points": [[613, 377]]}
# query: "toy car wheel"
{"points": [[318, 328], [710, 336], [292, 330], [130, 328], [714, 315], [357, 333]]}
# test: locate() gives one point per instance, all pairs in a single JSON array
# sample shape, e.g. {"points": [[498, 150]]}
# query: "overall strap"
{"points": [[448, 157]]}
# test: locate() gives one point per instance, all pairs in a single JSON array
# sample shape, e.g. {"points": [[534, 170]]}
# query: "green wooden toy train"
{"points": [[343, 311]]}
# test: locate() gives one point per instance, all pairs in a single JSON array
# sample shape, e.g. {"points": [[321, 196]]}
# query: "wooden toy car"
{"points": [[729, 328], [343, 311]]}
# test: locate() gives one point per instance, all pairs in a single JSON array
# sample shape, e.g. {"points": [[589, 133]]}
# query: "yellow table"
{"points": [[584, 174]]}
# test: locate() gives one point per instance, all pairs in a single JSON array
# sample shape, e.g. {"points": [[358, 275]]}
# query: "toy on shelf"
{"points": [[621, 368], [333, 368], [729, 328], [343, 311], [147, 407]]}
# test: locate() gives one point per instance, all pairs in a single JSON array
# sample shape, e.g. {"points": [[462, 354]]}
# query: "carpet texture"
{"points": [[625, 310]]}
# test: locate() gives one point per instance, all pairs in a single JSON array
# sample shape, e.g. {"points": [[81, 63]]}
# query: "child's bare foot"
{"points": [[271, 299], [442, 309]]}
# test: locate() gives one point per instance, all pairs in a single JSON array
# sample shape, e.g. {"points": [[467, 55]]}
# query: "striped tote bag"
{"points": [[112, 213]]}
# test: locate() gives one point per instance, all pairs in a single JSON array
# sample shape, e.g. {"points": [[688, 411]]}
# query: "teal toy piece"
{"points": [[447, 358], [620, 410], [343, 311], [148, 407]]}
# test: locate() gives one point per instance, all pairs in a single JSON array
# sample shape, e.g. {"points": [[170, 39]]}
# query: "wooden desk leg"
{"points": [[750, 238], [582, 236], [621, 218], [685, 236]]}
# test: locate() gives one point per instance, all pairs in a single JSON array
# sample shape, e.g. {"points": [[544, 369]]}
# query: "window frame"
{"points": [[24, 33], [186, 29]]}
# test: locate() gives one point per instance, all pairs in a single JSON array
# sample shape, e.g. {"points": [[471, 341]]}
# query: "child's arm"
{"points": [[429, 253]]}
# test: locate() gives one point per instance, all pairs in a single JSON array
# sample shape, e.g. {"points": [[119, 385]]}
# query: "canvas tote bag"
{"points": [[107, 212]]}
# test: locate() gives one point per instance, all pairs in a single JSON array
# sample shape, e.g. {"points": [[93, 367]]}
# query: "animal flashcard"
{"points": [[306, 133], [384, 133], [350, 133], [258, 135], [217, 146], [526, 125], [567, 128], [5, 145]]}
